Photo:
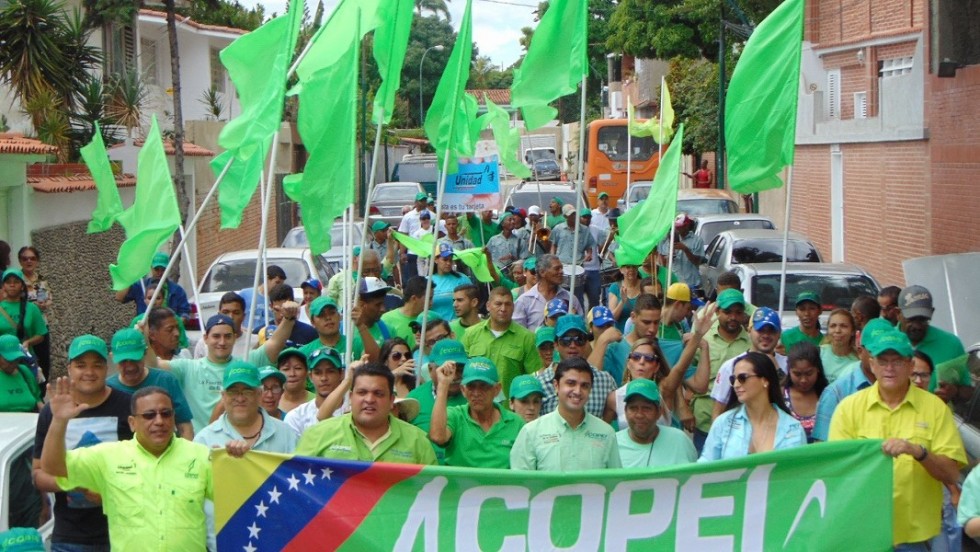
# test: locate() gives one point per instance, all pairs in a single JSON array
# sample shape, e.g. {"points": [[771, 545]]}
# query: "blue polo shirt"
{"points": [[848, 383]]}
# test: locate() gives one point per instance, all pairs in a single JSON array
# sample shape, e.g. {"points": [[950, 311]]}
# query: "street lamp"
{"points": [[438, 48]]}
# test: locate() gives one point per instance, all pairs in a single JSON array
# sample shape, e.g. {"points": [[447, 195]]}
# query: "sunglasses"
{"points": [[151, 415], [569, 339], [276, 389], [742, 378], [644, 357], [398, 355]]}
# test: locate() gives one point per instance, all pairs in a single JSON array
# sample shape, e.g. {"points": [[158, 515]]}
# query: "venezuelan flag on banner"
{"points": [[785, 500]]}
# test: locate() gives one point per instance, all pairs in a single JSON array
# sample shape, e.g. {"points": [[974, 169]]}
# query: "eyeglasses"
{"points": [[434, 340], [398, 355], [644, 357], [567, 340], [151, 415], [893, 363], [28, 258], [742, 378], [275, 389], [921, 375], [247, 393]]}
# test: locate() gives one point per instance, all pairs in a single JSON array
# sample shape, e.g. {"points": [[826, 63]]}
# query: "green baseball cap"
{"points": [[239, 371], [524, 385], [290, 352], [505, 217], [421, 197], [379, 225], [128, 344], [87, 344], [160, 260], [891, 340], [10, 348], [321, 302], [730, 297], [544, 334], [643, 388], [603, 194], [585, 212], [557, 200], [269, 371], [12, 272], [480, 369], [325, 354], [416, 324], [531, 263], [873, 329], [807, 296], [568, 323], [448, 350]]}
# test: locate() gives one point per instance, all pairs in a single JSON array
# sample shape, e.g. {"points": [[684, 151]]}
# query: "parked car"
{"points": [[837, 285], [735, 247], [296, 237], [967, 414], [531, 193], [700, 201], [20, 502], [235, 271], [390, 199], [638, 191], [546, 169], [709, 226]]}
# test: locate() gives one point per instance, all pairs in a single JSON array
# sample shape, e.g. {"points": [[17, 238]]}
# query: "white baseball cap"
{"points": [[534, 210]]}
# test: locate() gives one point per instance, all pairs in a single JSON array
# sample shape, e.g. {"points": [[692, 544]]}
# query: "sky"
{"points": [[496, 23]]}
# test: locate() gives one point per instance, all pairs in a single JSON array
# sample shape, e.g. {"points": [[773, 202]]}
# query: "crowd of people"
{"points": [[514, 374]]}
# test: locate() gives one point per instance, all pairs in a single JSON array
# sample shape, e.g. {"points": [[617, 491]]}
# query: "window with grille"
{"points": [[148, 60], [895, 67], [833, 94], [860, 105], [217, 71], [119, 48]]}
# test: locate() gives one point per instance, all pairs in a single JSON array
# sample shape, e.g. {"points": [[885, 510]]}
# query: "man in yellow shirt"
{"points": [[153, 486], [919, 433]]}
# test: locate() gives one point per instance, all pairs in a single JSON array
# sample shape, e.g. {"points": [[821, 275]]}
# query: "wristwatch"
{"points": [[922, 456]]}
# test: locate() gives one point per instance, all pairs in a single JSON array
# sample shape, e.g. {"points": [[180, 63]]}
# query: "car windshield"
{"points": [[297, 237], [546, 164], [614, 141], [709, 230], [698, 207], [404, 194], [416, 172], [638, 194], [835, 290], [237, 274], [771, 251], [529, 196]]}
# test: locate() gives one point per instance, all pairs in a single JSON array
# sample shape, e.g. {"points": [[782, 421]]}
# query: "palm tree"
{"points": [[182, 200], [437, 7]]}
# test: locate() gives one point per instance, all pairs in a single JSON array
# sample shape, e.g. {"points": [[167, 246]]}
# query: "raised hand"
{"points": [[63, 405]]}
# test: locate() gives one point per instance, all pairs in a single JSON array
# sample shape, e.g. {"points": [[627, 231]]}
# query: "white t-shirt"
{"points": [[304, 415], [723, 387]]}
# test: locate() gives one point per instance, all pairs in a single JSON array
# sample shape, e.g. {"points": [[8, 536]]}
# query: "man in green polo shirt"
{"points": [[568, 439], [369, 432], [399, 320], [443, 351], [153, 486], [508, 344], [466, 307], [808, 311], [480, 434]]}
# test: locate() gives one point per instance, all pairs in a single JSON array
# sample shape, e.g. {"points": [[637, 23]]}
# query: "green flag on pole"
{"points": [[652, 126], [668, 112], [555, 62], [508, 139], [760, 109], [108, 205], [390, 43], [328, 124], [257, 63], [642, 227], [350, 21], [476, 259], [152, 218], [420, 246]]}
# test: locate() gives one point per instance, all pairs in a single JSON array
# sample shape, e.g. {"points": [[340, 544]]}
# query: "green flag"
{"points": [[667, 109], [420, 246], [257, 63], [390, 43], [152, 218], [760, 110], [555, 62], [349, 22], [108, 205], [508, 139], [476, 259], [451, 114], [642, 227], [328, 124], [651, 127]]}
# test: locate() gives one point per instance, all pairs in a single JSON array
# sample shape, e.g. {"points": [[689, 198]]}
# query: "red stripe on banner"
{"points": [[338, 520]]}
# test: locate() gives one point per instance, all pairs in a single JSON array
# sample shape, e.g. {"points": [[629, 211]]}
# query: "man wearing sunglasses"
{"points": [[572, 341], [78, 513], [153, 487]]}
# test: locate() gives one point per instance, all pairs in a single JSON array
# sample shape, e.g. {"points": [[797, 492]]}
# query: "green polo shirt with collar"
{"points": [[472, 447], [551, 444], [513, 353], [152, 503], [337, 438], [719, 350]]}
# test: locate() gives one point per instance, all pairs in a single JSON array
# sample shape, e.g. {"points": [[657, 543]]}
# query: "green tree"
{"points": [[693, 87], [435, 7], [427, 31], [228, 14]]}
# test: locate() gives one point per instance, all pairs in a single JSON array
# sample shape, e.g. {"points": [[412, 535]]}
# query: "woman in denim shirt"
{"points": [[761, 423]]}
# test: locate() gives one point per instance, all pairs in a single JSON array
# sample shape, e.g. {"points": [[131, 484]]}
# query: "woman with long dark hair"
{"points": [[761, 422], [397, 356], [18, 316], [39, 293], [805, 381]]}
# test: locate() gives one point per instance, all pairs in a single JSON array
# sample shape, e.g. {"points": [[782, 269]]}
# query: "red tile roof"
{"points": [[190, 150], [73, 183], [191, 23], [499, 96], [16, 143]]}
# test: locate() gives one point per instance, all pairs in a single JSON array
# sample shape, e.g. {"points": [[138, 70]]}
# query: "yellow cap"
{"points": [[679, 292]]}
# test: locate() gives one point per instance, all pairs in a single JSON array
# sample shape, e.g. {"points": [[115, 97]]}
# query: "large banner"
{"points": [[831, 496], [474, 187]]}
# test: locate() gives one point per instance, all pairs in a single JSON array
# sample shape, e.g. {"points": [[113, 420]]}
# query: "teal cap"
{"points": [[421, 196], [12, 272], [807, 296], [325, 354], [891, 340], [379, 225], [568, 323], [448, 350], [585, 212], [239, 371], [729, 298], [544, 334], [87, 344], [871, 330], [524, 385], [480, 369], [531, 263], [290, 352], [643, 388], [10, 348], [320, 303], [128, 344], [160, 260], [269, 371]]}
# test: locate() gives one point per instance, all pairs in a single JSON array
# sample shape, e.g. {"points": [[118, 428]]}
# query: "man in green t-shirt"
{"points": [[466, 307], [808, 312], [677, 307], [915, 316], [399, 320], [18, 386]]}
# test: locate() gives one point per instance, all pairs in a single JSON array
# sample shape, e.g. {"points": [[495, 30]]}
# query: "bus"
{"points": [[606, 155]]}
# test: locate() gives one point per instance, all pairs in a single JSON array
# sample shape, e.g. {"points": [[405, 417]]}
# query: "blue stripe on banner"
{"points": [[263, 523]]}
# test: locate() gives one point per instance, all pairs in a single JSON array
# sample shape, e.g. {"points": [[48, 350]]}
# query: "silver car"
{"points": [[20, 502], [390, 200], [709, 226], [735, 247]]}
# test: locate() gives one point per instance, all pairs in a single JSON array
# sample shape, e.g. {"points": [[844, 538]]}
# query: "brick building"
{"points": [[888, 131]]}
